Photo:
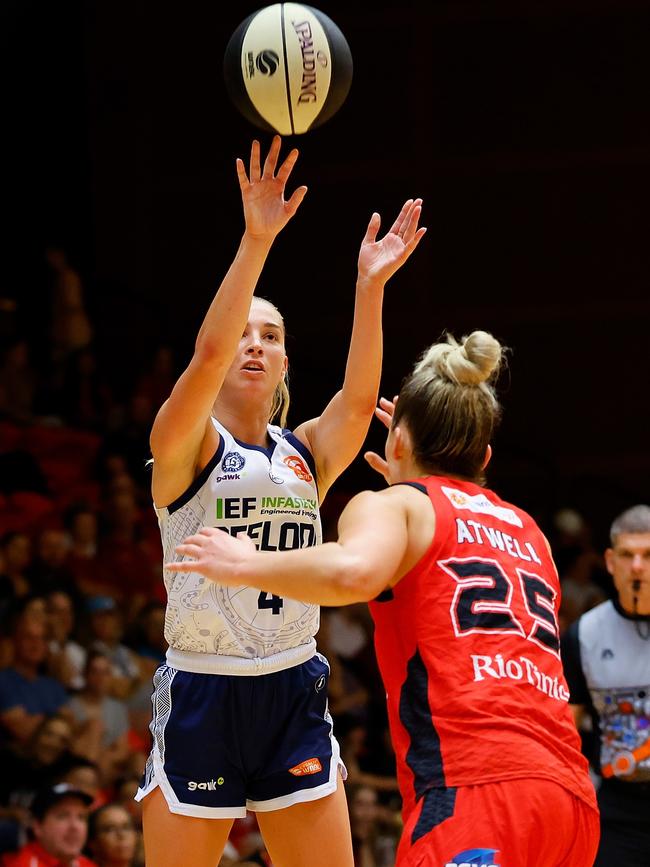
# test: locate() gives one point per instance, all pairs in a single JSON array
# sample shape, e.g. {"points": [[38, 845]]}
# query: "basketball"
{"points": [[288, 68]]}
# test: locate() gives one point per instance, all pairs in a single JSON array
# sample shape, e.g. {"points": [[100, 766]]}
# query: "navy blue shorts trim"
{"points": [[223, 744]]}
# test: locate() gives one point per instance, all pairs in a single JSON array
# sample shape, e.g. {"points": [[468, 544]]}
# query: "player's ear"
{"points": [[401, 441], [488, 456]]}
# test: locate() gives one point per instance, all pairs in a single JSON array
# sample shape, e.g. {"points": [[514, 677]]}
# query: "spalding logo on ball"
{"points": [[288, 68]]}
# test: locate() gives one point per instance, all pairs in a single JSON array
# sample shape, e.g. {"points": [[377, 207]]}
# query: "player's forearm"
{"points": [[363, 366], [226, 318], [324, 575]]}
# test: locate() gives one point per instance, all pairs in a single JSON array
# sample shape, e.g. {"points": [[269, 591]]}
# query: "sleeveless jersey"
{"points": [[468, 647], [271, 495]]}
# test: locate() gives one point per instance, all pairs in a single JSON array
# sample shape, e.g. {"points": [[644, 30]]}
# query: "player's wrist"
{"points": [[367, 283], [258, 240]]}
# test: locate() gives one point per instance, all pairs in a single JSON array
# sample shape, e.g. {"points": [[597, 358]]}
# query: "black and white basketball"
{"points": [[288, 68]]}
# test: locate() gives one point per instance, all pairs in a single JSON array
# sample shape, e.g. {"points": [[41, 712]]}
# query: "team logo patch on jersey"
{"points": [[233, 462], [299, 467], [309, 766], [474, 858], [479, 504]]}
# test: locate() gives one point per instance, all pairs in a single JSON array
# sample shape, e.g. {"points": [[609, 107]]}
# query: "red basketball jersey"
{"points": [[468, 648]]}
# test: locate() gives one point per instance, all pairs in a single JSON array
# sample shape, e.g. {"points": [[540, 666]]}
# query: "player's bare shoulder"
{"points": [[414, 504]]}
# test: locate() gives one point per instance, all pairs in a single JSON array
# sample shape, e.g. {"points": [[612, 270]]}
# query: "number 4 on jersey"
{"points": [[267, 600]]}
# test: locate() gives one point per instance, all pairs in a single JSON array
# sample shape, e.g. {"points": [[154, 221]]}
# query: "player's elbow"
{"points": [[360, 405], [356, 580], [208, 351]]}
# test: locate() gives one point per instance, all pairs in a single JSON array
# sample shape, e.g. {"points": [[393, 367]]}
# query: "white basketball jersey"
{"points": [[269, 494]]}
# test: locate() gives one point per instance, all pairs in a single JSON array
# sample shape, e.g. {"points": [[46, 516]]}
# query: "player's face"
{"points": [[261, 361], [628, 562]]}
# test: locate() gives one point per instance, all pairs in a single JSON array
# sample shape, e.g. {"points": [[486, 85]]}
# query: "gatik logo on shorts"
{"points": [[474, 858], [209, 786], [310, 766]]}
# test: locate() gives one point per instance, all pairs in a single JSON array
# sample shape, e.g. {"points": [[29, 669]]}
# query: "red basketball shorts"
{"points": [[516, 823]]}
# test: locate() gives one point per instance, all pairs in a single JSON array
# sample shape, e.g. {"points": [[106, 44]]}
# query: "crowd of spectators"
{"points": [[82, 611]]}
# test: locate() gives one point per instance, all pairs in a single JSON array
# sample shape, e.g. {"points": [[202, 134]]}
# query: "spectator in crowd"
{"points": [[375, 829], [86, 399], [27, 767], [354, 750], [16, 551], [606, 656], [49, 569], [148, 640], [347, 696], [124, 795], [131, 438], [17, 384], [71, 328], [85, 775], [67, 658], [106, 627], [33, 606], [59, 827], [350, 632], [128, 565], [157, 381], [82, 525], [110, 463], [580, 565], [30, 607], [26, 695], [113, 838], [106, 716]]}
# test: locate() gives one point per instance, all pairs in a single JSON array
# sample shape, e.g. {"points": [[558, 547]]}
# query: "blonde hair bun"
{"points": [[471, 362]]}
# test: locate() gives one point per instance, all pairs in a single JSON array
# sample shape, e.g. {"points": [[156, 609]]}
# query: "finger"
{"points": [[254, 173], [296, 200], [411, 223], [388, 405], [401, 216], [189, 550], [373, 227], [376, 463], [242, 177], [196, 539], [384, 417], [180, 566], [412, 244], [271, 160], [287, 166], [211, 531]]}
